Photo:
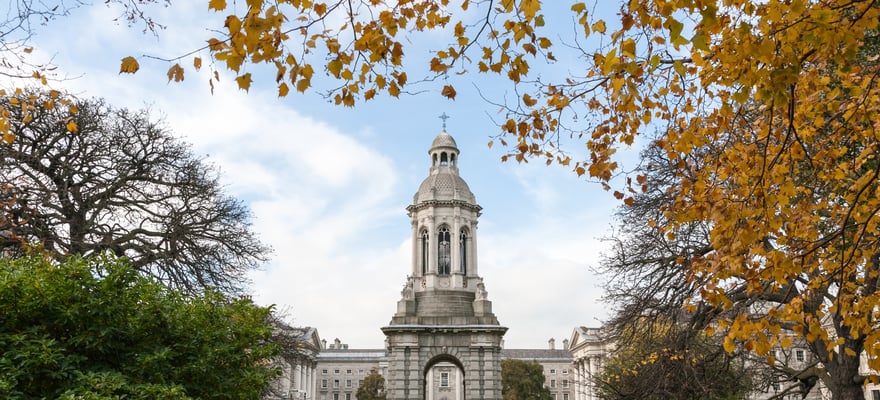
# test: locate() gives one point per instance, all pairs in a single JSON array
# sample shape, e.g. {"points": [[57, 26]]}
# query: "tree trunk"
{"points": [[844, 383]]}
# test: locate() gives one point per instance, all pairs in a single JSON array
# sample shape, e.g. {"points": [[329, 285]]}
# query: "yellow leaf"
{"points": [[28, 50], [335, 67], [217, 5], [175, 73], [283, 89], [729, 345], [72, 127], [129, 65], [197, 63], [628, 48], [244, 81], [320, 9], [303, 84], [599, 26]]}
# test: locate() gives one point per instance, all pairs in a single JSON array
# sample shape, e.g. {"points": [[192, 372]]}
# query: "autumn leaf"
{"points": [[448, 92], [129, 65], [175, 73], [244, 81], [217, 5]]}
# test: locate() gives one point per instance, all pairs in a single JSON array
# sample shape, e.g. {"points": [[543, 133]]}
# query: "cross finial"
{"points": [[444, 117]]}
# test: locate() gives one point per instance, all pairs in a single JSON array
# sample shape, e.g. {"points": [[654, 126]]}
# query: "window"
{"points": [[360, 382], [799, 355], [553, 383], [565, 396], [444, 258], [875, 394], [360, 372], [775, 386], [425, 242], [552, 371], [348, 383], [335, 396], [462, 252], [323, 384], [565, 383], [443, 160], [348, 371], [444, 379], [348, 396], [564, 371], [336, 384], [335, 371], [324, 371]]}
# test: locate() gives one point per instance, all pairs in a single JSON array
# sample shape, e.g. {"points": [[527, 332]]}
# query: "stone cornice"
{"points": [[444, 203], [443, 328]]}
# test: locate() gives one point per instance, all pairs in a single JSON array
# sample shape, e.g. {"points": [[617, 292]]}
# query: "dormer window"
{"points": [[444, 255]]}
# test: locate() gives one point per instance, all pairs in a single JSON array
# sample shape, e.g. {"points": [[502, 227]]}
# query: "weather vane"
{"points": [[444, 117]]}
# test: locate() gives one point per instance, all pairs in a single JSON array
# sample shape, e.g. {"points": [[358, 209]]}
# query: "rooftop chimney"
{"points": [[552, 343]]}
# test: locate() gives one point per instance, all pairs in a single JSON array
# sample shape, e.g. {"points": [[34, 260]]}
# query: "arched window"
{"points": [[424, 260], [443, 160], [435, 159], [452, 159], [462, 247], [444, 255]]}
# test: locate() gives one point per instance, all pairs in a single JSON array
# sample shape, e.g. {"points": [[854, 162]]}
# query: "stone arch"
{"points": [[456, 389]]}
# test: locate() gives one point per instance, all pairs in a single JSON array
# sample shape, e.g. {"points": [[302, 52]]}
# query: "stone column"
{"points": [[594, 371], [432, 246], [472, 267], [454, 243], [416, 262]]}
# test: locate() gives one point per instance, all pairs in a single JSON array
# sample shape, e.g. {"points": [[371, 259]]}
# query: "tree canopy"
{"points": [[125, 184], [373, 387], [94, 328], [521, 380], [657, 359]]}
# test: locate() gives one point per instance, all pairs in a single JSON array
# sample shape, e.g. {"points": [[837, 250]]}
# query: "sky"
{"points": [[328, 186]]}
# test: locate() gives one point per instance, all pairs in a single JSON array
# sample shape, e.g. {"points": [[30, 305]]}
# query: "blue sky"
{"points": [[329, 185]]}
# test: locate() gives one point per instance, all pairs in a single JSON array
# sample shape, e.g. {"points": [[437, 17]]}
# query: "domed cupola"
{"points": [[443, 183], [444, 216]]}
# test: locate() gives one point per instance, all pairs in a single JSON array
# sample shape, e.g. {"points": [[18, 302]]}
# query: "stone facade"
{"points": [[298, 364]]}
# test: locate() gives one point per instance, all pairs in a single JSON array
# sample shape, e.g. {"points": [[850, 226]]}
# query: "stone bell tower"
{"points": [[444, 341]]}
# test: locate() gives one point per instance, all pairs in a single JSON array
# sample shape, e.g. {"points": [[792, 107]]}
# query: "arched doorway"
{"points": [[443, 378]]}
